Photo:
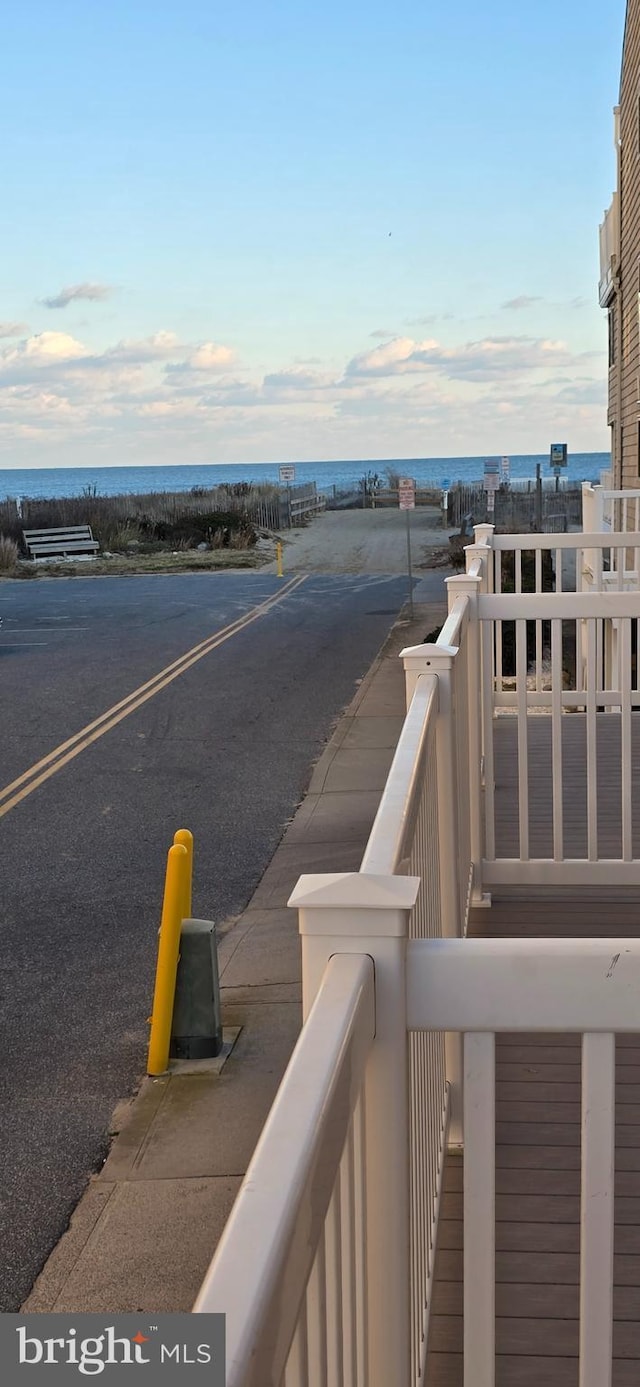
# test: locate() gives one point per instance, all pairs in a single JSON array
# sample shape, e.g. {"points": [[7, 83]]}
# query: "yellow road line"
{"points": [[66, 752]]}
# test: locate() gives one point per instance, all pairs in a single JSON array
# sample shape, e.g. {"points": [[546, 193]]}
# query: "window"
{"points": [[612, 334]]}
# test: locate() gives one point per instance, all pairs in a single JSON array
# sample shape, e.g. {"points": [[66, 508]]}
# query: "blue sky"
{"points": [[259, 232]]}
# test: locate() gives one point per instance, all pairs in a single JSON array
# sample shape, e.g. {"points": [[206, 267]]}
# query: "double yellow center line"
{"points": [[49, 765]]}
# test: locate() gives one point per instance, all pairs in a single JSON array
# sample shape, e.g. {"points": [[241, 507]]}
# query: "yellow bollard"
{"points": [[185, 837], [167, 965], [279, 558]]}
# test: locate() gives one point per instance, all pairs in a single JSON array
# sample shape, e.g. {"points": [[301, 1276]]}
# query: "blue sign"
{"points": [[446, 484]]}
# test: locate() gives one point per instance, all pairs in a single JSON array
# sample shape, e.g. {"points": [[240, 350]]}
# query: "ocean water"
{"points": [[49, 482]]}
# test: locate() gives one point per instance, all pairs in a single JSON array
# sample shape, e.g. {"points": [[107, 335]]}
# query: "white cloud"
{"points": [[522, 301], [482, 360], [210, 356], [43, 349], [94, 293], [296, 379], [159, 347], [13, 329]]}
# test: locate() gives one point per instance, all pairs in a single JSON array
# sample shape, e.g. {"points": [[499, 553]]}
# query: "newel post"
{"points": [[484, 545], [356, 913], [438, 660], [466, 586]]}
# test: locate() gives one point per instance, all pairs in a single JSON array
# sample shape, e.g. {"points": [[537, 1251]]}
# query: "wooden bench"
{"points": [[51, 544]]}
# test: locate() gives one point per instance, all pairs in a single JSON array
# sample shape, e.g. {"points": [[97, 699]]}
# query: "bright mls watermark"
{"points": [[58, 1349]]}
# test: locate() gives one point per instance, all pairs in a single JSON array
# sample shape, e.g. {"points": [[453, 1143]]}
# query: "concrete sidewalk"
{"points": [[144, 1232]]}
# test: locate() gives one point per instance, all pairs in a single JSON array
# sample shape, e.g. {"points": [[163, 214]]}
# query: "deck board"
{"points": [[574, 784], [537, 1183]]}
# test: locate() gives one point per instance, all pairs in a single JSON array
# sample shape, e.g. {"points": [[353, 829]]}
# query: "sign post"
{"points": [[491, 482], [287, 474], [407, 502]]}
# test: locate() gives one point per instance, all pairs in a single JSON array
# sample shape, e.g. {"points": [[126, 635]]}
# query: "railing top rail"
{"points": [[600, 539], [259, 1274], [393, 824], [624, 494], [453, 630]]}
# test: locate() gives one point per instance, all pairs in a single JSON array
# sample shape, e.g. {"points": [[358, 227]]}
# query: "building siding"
{"points": [[627, 298]]}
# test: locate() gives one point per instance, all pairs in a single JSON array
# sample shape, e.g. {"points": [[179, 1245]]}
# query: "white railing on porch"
{"points": [[416, 882], [325, 1269], [609, 508]]}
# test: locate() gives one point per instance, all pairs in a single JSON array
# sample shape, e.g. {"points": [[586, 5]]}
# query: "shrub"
{"points": [[8, 554]]}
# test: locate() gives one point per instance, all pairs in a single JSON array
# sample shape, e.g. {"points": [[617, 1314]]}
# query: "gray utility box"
{"points": [[196, 1029]]}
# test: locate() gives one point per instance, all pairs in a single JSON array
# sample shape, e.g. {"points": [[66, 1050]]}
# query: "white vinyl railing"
{"points": [[325, 1270], [405, 838], [610, 509], [290, 1271], [485, 986], [415, 882]]}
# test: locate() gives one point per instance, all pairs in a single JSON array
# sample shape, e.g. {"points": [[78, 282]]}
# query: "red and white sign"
{"points": [[406, 493]]}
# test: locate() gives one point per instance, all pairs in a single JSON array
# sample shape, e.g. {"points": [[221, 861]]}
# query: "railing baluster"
{"points": [[487, 737], [523, 753], [334, 1292], [297, 1369], [317, 1318], [538, 568], [360, 1202], [348, 1233], [592, 744], [556, 739], [538, 588], [497, 649], [479, 1210], [597, 1210], [624, 638]]}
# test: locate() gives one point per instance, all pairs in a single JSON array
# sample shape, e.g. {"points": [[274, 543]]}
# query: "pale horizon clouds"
{"points": [[154, 391], [189, 288]]}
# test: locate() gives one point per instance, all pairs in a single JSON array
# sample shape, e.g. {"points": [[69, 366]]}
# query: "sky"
{"points": [[260, 232]]}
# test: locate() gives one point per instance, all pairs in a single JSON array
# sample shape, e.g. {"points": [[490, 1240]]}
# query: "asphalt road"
{"points": [[225, 749]]}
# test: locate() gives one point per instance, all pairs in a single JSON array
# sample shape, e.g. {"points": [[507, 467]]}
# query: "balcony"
{"points": [[609, 241]]}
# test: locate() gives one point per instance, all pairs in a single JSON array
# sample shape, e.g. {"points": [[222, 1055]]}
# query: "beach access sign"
{"points": [[406, 493], [558, 456], [491, 480], [287, 474]]}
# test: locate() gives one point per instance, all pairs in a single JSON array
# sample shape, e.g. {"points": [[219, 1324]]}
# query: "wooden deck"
{"points": [[574, 785], [538, 1119]]}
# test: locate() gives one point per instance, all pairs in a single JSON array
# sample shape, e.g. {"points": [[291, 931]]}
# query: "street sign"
{"points": [[558, 456], [406, 493], [287, 474], [506, 469]]}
